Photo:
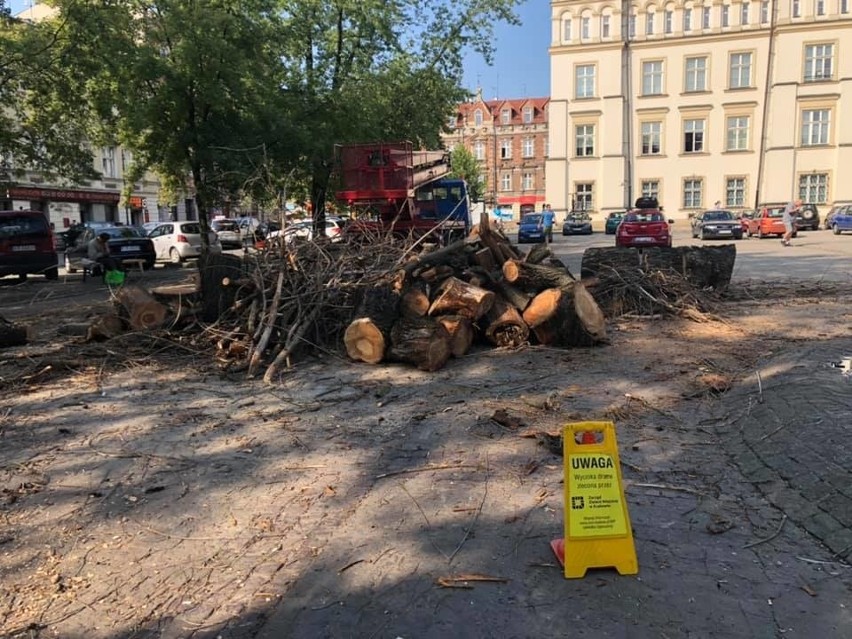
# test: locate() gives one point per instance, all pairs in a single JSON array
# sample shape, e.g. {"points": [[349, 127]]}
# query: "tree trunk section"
{"points": [[606, 260], [12, 334], [104, 327], [367, 338], [535, 278], [415, 301], [505, 326], [484, 258], [538, 254], [456, 297], [143, 311], [423, 342], [461, 333], [216, 298], [567, 317]]}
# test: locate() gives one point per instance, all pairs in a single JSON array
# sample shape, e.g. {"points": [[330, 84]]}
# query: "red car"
{"points": [[643, 227], [768, 221]]}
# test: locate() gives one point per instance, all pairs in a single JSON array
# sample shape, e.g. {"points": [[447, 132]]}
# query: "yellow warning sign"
{"points": [[597, 525]]}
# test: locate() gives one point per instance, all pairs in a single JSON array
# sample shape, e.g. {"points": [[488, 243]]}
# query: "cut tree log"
{"points": [[456, 297], [423, 342], [367, 338], [534, 278], [604, 260], [566, 317], [143, 311], [538, 254], [415, 301], [104, 327], [505, 326], [214, 269], [500, 247], [12, 334], [484, 258], [461, 333]]}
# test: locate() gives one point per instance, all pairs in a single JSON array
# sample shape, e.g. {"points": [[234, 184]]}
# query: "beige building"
{"points": [[732, 101]]}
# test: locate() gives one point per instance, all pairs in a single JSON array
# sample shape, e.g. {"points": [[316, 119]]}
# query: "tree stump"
{"points": [[456, 297], [423, 342], [461, 333], [143, 311], [505, 326], [367, 338], [535, 278], [214, 269]]}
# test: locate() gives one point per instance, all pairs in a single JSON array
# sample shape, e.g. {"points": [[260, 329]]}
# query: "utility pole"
{"points": [[626, 104]]}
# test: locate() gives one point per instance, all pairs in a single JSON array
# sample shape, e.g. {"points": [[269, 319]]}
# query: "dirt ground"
{"points": [[145, 494]]}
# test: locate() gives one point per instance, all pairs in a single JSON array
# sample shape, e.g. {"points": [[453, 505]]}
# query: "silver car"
{"points": [[228, 232], [176, 241]]}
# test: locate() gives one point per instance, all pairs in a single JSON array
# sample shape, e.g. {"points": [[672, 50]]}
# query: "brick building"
{"points": [[510, 139]]}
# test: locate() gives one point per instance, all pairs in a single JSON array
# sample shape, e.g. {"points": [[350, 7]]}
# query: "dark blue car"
{"points": [[531, 229], [842, 220]]}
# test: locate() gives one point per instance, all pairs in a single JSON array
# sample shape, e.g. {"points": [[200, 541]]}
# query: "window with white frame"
{"points": [[695, 78], [547, 147], [479, 150], [693, 136], [813, 188], [651, 138], [583, 199], [585, 140], [818, 62], [651, 188], [649, 23], [706, 21], [528, 115], [844, 6], [506, 116], [528, 147], [737, 133], [764, 12], [740, 70], [726, 15], [819, 7], [687, 20], [693, 193], [606, 26], [585, 28], [631, 25], [796, 8], [584, 81], [735, 194], [527, 182], [652, 77], [566, 29], [506, 182], [668, 21], [451, 121], [744, 12], [815, 126], [506, 149], [477, 117], [108, 162]]}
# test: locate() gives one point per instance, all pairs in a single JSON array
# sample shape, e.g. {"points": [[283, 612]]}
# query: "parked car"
{"points": [[768, 221], [577, 224], [744, 217], [531, 229], [177, 241], [842, 220], [808, 218], [612, 222], [228, 232], [334, 228], [644, 227], [125, 243], [829, 217], [150, 226], [27, 245], [716, 223]]}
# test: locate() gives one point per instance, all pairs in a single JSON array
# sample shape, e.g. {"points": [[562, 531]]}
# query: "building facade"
{"points": [[694, 102], [510, 140]]}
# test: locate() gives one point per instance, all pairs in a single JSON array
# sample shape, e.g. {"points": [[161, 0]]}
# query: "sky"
{"points": [[521, 62]]}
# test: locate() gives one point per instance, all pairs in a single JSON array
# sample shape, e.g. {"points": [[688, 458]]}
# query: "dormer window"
{"points": [[506, 116], [528, 115], [477, 117]]}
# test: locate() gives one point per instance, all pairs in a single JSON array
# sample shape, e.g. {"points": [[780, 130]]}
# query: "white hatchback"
{"points": [[176, 241]]}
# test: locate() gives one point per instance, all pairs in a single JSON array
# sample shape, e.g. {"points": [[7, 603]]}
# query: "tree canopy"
{"points": [[466, 166]]}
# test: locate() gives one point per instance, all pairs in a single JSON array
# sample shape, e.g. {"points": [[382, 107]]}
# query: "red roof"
{"points": [[492, 109]]}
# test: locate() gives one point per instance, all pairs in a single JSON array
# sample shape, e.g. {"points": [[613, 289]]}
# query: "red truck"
{"points": [[391, 188]]}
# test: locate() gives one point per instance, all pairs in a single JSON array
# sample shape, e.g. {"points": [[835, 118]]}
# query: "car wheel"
{"points": [[835, 229], [147, 266], [52, 273], [174, 256], [564, 233], [760, 233], [703, 235], [22, 277]]}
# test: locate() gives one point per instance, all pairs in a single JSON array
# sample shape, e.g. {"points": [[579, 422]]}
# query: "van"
{"points": [[26, 245]]}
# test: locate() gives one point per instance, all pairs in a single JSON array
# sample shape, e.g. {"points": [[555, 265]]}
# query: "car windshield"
{"points": [[582, 217], [718, 215], [20, 225], [120, 232], [192, 228], [616, 216], [531, 219], [644, 217], [779, 212], [225, 225]]}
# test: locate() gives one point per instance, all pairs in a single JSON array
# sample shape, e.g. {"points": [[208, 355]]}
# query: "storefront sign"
{"points": [[63, 195]]}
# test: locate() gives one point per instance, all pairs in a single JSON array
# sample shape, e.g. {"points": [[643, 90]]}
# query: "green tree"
{"points": [[466, 166]]}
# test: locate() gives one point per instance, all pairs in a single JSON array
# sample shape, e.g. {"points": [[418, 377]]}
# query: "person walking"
{"points": [[548, 218], [789, 222]]}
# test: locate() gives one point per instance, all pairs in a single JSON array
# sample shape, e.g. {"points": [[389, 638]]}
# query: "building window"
{"points": [[479, 150], [583, 200], [108, 162], [506, 116], [705, 17], [527, 182], [735, 192], [692, 193], [740, 70], [631, 26], [687, 20], [566, 29], [651, 188], [737, 138], [528, 147], [819, 7], [796, 9], [669, 21], [764, 12], [451, 121], [649, 23], [652, 78], [651, 136], [585, 138], [605, 26], [585, 28], [477, 117], [528, 115], [818, 59], [815, 123], [744, 10], [844, 6], [693, 136], [506, 149], [726, 15], [584, 86], [506, 182], [696, 75], [813, 188]]}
